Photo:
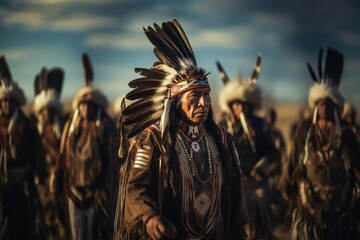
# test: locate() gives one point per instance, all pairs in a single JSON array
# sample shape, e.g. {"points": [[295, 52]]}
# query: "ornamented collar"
{"points": [[193, 133]]}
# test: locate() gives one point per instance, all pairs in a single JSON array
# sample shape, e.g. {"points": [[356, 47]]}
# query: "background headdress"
{"points": [[9, 88], [174, 73], [48, 86], [327, 83], [89, 93], [245, 90]]}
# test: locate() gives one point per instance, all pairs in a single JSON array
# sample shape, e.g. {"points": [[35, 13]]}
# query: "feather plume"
{"points": [[88, 70], [137, 127], [334, 66], [321, 77], [135, 117], [55, 80], [312, 73], [37, 84], [5, 73], [257, 68], [141, 93], [164, 121], [138, 105], [222, 72]]}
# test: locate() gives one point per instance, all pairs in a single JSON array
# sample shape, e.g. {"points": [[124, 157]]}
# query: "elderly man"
{"points": [[320, 177], [21, 161], [183, 172], [239, 100], [86, 163]]}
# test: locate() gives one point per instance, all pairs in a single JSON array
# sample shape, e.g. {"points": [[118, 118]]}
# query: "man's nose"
{"points": [[202, 101]]}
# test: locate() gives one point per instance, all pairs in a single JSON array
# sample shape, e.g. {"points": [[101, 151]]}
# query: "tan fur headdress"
{"points": [[326, 85], [246, 90], [89, 93], [48, 86]]}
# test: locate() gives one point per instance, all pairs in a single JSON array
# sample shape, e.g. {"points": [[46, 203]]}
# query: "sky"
{"points": [[288, 34]]}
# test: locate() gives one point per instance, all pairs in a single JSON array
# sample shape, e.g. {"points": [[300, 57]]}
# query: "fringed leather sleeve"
{"points": [[141, 201]]}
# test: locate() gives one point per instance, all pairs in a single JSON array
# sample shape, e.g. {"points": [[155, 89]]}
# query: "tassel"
{"points": [[247, 132], [98, 117], [229, 126], [164, 121], [73, 121], [40, 125], [337, 123], [56, 127], [315, 115], [13, 120], [122, 132]]}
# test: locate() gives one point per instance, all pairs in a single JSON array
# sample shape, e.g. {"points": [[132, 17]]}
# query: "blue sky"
{"points": [[50, 33]]}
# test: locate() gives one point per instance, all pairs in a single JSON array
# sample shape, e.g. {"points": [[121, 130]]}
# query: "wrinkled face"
{"points": [[48, 114], [8, 106], [326, 108], [238, 107], [195, 105], [87, 110]]}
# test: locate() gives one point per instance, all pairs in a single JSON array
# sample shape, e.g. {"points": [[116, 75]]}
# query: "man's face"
{"points": [[87, 110], [8, 106], [326, 108], [238, 107], [48, 114], [195, 105]]}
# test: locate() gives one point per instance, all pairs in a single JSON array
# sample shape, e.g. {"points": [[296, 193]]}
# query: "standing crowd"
{"points": [[166, 168]]}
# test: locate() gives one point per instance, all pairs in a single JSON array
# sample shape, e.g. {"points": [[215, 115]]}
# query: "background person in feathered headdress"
{"points": [[21, 162], [349, 115], [238, 101], [48, 111], [321, 177], [182, 177], [87, 165]]}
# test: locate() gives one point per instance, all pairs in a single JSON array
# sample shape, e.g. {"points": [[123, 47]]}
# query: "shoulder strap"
{"points": [[155, 132]]}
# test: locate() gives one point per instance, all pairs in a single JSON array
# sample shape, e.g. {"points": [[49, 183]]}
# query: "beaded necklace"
{"points": [[190, 153]]}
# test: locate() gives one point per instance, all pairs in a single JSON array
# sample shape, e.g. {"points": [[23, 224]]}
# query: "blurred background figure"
{"points": [[304, 114], [88, 165], [21, 162], [238, 101], [349, 115], [321, 177], [278, 205], [48, 111]]}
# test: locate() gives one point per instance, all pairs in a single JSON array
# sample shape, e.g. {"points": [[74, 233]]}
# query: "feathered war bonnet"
{"points": [[9, 88], [48, 86], [174, 73], [245, 90], [326, 85], [88, 94]]}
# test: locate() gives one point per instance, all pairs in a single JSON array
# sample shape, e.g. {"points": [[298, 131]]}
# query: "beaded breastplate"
{"points": [[201, 179]]}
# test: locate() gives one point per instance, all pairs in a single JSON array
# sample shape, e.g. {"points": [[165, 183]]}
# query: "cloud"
{"points": [[55, 20], [117, 41], [16, 54]]}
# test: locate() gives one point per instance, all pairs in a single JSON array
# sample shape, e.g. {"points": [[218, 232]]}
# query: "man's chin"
{"points": [[199, 119]]}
